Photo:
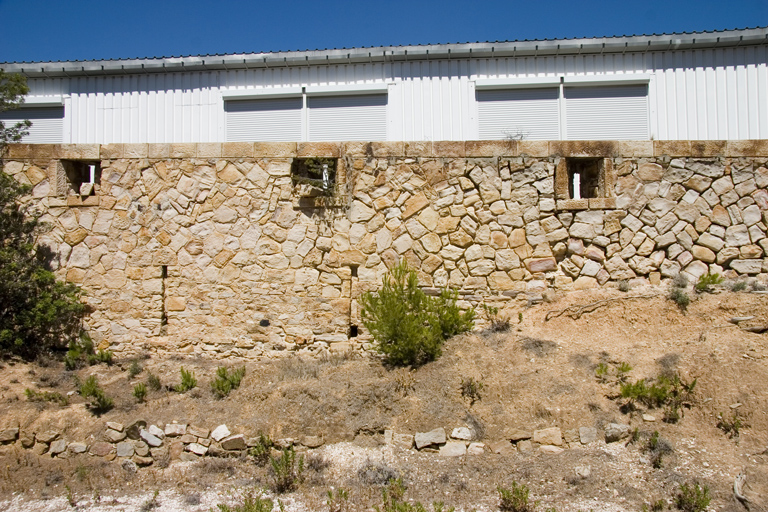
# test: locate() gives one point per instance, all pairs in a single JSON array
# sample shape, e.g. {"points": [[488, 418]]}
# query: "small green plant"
{"points": [[408, 326], [153, 381], [604, 373], [261, 451], [601, 372], [692, 498], [225, 382], [99, 402], [285, 471], [46, 396], [679, 297], [471, 388], [707, 281], [739, 286], [102, 356], [671, 393], [134, 369], [656, 506], [151, 504], [520, 317], [624, 285], [731, 426], [656, 448], [140, 392], [188, 381], [71, 497], [516, 499], [392, 496], [251, 503], [497, 323], [338, 501], [679, 281]]}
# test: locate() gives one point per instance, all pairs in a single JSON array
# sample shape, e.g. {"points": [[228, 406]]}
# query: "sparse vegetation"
{"points": [[151, 504], [393, 500], [285, 471], [692, 498], [497, 322], [188, 381], [134, 369], [731, 426], [738, 286], [680, 297], [408, 326], [471, 388], [671, 393], [225, 381], [250, 503], [338, 501], [140, 392], [516, 499], [261, 451], [624, 285], [707, 281], [153, 381], [99, 402], [46, 396]]}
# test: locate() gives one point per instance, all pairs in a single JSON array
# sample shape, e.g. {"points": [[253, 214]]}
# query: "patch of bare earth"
{"points": [[540, 373]]}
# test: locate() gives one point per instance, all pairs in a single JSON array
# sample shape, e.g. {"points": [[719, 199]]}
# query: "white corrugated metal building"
{"points": [[698, 86]]}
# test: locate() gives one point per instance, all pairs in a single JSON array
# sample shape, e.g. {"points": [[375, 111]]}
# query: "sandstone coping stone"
{"points": [[476, 448], [235, 442], [615, 432], [501, 447], [57, 447], [175, 429], [462, 433], [519, 435], [150, 439], [9, 435], [220, 433], [587, 435], [46, 437], [453, 449], [550, 435], [197, 449], [431, 438], [143, 460], [101, 449], [125, 449]]}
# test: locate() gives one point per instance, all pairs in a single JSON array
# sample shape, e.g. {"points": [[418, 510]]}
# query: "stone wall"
{"points": [[212, 249]]}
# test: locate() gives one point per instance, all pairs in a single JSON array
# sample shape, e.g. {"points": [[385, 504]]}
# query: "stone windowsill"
{"points": [[597, 203]]}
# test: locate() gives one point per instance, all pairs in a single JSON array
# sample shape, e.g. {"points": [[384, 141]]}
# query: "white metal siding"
{"points": [[47, 123], [531, 114], [693, 94], [269, 120], [607, 113], [339, 118]]}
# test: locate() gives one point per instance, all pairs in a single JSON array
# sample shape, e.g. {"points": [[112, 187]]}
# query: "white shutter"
{"points": [[47, 123], [348, 117], [531, 114], [271, 120], [616, 112]]}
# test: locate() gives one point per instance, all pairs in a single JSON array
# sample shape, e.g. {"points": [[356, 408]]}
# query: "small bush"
{"points": [[679, 281], [732, 427], [408, 326], [99, 402], [671, 393], [153, 381], [679, 297], [251, 503], [497, 323], [188, 381], [261, 451], [693, 498], [739, 286], [393, 501], [471, 388], [140, 392], [515, 499], [225, 382], [286, 471], [707, 281], [656, 506], [338, 501], [134, 369], [46, 396]]}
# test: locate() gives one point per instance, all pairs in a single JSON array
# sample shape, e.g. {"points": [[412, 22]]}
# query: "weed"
{"points": [[79, 349], [376, 473], [102, 356], [520, 317], [393, 501], [46, 396], [405, 380], [601, 372], [338, 501], [71, 497], [679, 297], [670, 393], [134, 369], [81, 472], [251, 503], [497, 323], [151, 504], [471, 388], [624, 285], [604, 373], [225, 382], [739, 286], [188, 381], [296, 368], [731, 427], [679, 281], [707, 281], [693, 498], [99, 402], [153, 381], [260, 452], [656, 448], [286, 471], [656, 506], [516, 499], [140, 392]]}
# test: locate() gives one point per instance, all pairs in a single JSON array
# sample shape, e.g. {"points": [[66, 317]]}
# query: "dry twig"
{"points": [[577, 310]]}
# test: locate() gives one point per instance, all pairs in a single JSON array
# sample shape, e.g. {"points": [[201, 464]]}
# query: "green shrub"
{"points": [[497, 323], [251, 503], [739, 286], [188, 381], [285, 471], [261, 452], [679, 281], [338, 501], [140, 391], [671, 393], [46, 396], [134, 369], [225, 382], [392, 496], [731, 427], [516, 499], [624, 286], [707, 281], [679, 297], [693, 498], [471, 388], [408, 326], [99, 402], [153, 381]]}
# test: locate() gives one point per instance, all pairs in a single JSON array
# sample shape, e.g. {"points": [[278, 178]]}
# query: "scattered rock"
{"points": [[142, 461], [501, 447], [101, 449], [156, 431], [403, 441], [587, 435], [462, 433], [9, 435], [114, 436], [476, 449], [57, 447], [550, 435], [649, 418], [141, 448], [150, 439], [197, 449], [198, 432], [525, 446], [431, 438], [78, 447], [615, 432], [220, 433], [583, 471], [175, 429], [237, 442], [518, 435], [134, 430], [46, 437], [125, 449], [115, 426], [453, 449]]}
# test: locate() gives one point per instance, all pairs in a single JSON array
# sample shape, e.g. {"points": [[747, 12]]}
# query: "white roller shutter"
{"points": [[616, 112], [47, 123], [531, 114], [348, 117], [271, 120]]}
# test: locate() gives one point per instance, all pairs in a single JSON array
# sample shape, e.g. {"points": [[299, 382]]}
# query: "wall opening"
{"points": [[83, 177], [164, 314], [585, 178], [353, 331], [318, 174]]}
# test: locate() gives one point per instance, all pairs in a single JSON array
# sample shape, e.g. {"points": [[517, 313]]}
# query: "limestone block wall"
{"points": [[213, 249]]}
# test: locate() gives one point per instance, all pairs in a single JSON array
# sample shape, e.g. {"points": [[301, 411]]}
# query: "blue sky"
{"points": [[48, 30]]}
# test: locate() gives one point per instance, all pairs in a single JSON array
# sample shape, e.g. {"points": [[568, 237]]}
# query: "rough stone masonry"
{"points": [[214, 249]]}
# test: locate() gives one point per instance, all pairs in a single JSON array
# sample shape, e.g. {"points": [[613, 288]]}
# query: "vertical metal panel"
{"points": [[47, 123], [340, 118], [277, 119], [607, 112], [519, 113]]}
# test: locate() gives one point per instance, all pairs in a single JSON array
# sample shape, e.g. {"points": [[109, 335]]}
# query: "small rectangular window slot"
{"points": [[164, 313], [317, 175], [353, 270], [83, 177], [353, 331], [585, 178]]}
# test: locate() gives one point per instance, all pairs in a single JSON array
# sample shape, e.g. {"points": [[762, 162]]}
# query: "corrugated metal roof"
{"points": [[610, 44]]}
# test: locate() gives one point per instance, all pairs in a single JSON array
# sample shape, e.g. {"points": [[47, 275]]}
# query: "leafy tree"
{"points": [[37, 312]]}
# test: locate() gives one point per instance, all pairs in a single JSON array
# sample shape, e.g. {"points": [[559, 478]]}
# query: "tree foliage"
{"points": [[409, 326], [37, 312]]}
